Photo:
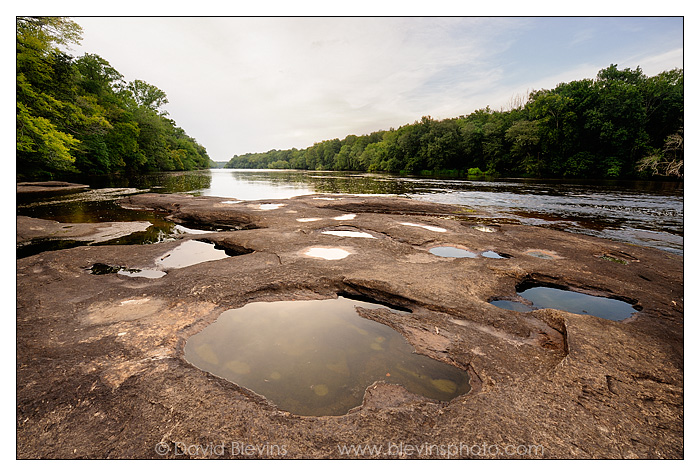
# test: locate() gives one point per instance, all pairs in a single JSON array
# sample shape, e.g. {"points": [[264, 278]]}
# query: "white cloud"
{"points": [[252, 84]]}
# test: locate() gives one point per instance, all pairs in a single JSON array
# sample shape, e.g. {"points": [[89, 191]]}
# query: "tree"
{"points": [[667, 162], [43, 145], [148, 96], [525, 138], [79, 116]]}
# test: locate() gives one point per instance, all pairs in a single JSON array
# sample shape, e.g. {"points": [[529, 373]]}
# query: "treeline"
{"points": [[621, 124], [78, 115]]}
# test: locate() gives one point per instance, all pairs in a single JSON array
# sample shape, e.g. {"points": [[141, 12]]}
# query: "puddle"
{"points": [[349, 216], [306, 220], [349, 234], [327, 253], [494, 255], [452, 252], [142, 273], [231, 202], [102, 268], [189, 253], [316, 357], [427, 227], [544, 297], [271, 206]]}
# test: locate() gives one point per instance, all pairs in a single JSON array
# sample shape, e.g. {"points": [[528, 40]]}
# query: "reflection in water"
{"points": [[188, 253], [191, 252], [348, 234], [452, 252], [543, 297], [493, 255], [427, 227], [327, 253], [316, 357], [645, 213]]}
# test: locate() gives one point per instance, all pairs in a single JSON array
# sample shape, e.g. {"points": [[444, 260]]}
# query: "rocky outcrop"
{"points": [[101, 373]]}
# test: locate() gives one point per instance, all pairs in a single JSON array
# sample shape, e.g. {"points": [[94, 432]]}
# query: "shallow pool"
{"points": [[543, 297], [316, 357], [452, 252]]}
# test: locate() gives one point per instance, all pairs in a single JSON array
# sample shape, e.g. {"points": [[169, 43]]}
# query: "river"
{"points": [[642, 213]]}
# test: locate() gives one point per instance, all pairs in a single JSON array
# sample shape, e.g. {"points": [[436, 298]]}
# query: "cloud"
{"points": [[252, 84]]}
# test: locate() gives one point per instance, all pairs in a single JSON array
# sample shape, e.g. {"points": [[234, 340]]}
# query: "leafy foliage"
{"points": [[77, 115], [620, 124]]}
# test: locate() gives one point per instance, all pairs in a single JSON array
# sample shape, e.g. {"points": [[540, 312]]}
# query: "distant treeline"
{"points": [[77, 115], [622, 124]]}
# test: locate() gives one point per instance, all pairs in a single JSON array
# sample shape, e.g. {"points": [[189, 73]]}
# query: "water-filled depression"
{"points": [[543, 297], [452, 252], [316, 357]]}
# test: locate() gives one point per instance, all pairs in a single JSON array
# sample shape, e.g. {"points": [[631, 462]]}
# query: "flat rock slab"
{"points": [[101, 372], [49, 187], [31, 229]]}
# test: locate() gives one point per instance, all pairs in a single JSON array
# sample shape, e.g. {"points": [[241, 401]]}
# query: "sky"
{"points": [[252, 84]]}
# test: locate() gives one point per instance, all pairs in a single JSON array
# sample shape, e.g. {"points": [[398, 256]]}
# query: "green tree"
{"points": [[525, 138], [43, 107]]}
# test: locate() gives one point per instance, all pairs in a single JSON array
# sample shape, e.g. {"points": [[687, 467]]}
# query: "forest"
{"points": [[622, 124], [79, 116]]}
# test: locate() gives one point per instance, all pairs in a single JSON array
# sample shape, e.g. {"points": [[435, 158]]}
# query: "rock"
{"points": [[101, 372], [33, 229], [49, 187]]}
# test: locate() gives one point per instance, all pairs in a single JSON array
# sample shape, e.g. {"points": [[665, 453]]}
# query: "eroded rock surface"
{"points": [[101, 373], [31, 229]]}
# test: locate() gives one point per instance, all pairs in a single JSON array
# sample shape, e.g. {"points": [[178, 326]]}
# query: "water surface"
{"points": [[643, 213], [316, 357], [452, 252], [543, 297]]}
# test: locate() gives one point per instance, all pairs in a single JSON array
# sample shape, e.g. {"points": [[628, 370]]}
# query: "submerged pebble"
{"points": [[321, 390]]}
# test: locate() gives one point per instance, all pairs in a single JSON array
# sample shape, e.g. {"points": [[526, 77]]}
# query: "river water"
{"points": [[642, 213]]}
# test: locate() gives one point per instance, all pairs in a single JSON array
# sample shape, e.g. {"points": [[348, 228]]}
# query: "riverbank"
{"points": [[100, 357]]}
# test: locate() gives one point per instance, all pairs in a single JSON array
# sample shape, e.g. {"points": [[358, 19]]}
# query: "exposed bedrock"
{"points": [[101, 372]]}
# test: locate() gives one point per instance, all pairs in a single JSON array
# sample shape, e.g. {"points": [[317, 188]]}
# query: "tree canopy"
{"points": [[78, 115], [622, 124]]}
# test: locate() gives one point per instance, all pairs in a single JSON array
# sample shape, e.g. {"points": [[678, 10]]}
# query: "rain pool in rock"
{"points": [[452, 252], [543, 297], [348, 234], [327, 253], [494, 255], [189, 253], [316, 357]]}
